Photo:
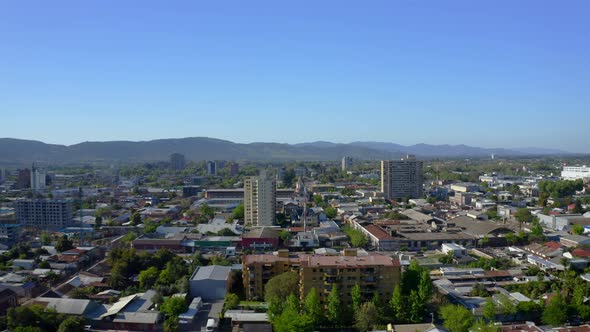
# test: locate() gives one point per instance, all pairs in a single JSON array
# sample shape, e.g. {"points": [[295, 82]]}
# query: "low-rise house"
{"points": [[454, 249], [261, 238], [153, 245], [209, 282], [27, 264], [132, 313], [573, 240]]}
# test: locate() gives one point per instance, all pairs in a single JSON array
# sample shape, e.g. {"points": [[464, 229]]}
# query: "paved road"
{"points": [[209, 310]]}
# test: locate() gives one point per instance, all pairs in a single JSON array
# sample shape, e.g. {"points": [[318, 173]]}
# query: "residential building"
{"points": [[260, 200], [23, 180], [44, 213], [234, 168], [177, 161], [261, 238], [211, 167], [209, 282], [402, 178], [374, 273], [454, 249], [38, 176], [575, 172], [465, 187], [9, 233], [346, 163]]}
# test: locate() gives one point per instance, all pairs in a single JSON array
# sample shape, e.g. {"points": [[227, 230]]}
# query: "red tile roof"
{"points": [[580, 253], [553, 245], [378, 232]]}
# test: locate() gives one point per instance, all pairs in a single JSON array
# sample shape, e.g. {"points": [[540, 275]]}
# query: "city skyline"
{"points": [[504, 75]]}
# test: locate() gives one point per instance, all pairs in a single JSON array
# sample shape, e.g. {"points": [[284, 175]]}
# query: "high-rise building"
{"points": [[346, 163], [260, 200], [211, 168], [234, 168], [373, 273], [177, 161], [402, 178], [44, 213], [24, 179], [38, 178]]}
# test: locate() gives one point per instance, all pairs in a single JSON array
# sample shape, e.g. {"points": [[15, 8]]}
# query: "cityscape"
{"points": [[388, 166]]}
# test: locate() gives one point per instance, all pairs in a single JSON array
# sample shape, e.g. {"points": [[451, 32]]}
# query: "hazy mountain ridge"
{"points": [[16, 151]]}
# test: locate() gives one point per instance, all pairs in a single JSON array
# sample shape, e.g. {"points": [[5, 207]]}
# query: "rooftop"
{"points": [[211, 272]]}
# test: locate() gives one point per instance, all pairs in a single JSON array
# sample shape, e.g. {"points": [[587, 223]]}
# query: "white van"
{"points": [[211, 325]]}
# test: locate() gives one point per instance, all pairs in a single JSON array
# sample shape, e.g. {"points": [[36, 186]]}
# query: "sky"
{"points": [[499, 73]]}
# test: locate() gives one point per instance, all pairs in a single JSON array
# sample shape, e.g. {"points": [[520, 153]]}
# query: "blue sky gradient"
{"points": [[483, 73]]}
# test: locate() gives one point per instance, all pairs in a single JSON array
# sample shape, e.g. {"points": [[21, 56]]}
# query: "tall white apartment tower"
{"points": [[402, 178], [38, 175], [260, 199]]}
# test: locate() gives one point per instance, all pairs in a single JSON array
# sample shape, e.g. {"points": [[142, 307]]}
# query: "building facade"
{"points": [[373, 273], [177, 161], [260, 200], [402, 178], [575, 172], [44, 213], [211, 167], [346, 163], [38, 178]]}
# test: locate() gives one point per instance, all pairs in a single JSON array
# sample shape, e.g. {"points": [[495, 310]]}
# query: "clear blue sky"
{"points": [[485, 73]]}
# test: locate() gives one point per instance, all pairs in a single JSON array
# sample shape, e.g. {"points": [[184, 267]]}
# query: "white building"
{"points": [[38, 175], [575, 172], [260, 200], [455, 249]]}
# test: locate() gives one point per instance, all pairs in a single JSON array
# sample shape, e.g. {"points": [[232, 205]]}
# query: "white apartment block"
{"points": [[575, 172], [260, 199]]}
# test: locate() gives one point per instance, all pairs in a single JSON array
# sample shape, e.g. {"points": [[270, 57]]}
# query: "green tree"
{"points": [[555, 313], [290, 320], [289, 177], [489, 310], [398, 306], [578, 229], [277, 289], [45, 238], [425, 286], [238, 212], [523, 215], [456, 318], [366, 317], [171, 324], [64, 244], [416, 307], [537, 229], [98, 222], [331, 212], [72, 324], [135, 218], [148, 277], [231, 301], [206, 211], [506, 306], [334, 311], [356, 295], [174, 306], [313, 308]]}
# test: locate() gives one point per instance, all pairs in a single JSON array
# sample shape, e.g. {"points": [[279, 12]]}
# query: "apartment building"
{"points": [[177, 161], [44, 213], [374, 273], [260, 200], [346, 163], [575, 172], [402, 178]]}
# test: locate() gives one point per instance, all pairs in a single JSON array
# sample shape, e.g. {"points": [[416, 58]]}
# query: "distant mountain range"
{"points": [[17, 152]]}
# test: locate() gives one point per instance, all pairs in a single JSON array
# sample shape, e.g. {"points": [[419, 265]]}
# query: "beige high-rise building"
{"points": [[260, 200], [374, 273], [402, 178]]}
